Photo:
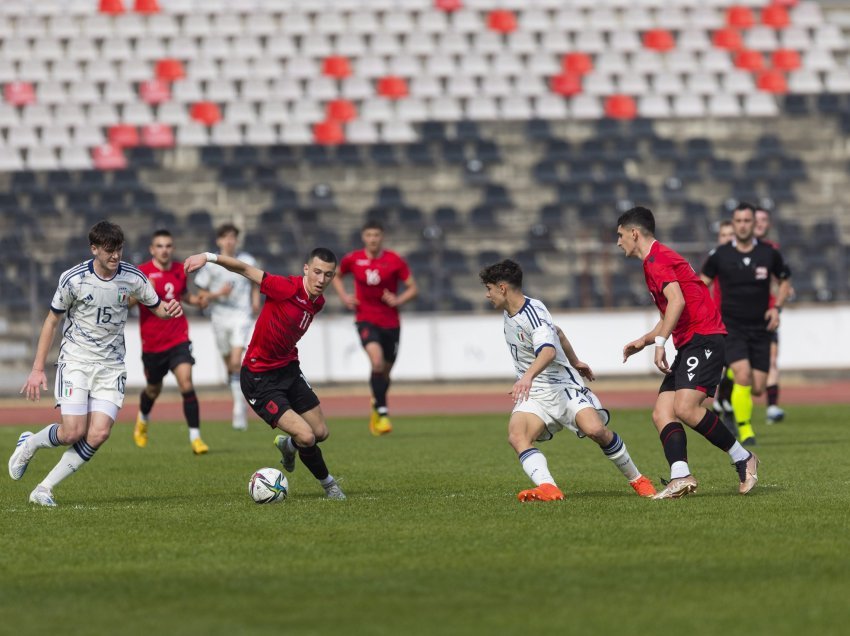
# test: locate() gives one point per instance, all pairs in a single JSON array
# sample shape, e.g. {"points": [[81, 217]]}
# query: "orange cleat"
{"points": [[544, 492], [643, 486]]}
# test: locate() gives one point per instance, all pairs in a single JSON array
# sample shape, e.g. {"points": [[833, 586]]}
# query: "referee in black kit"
{"points": [[745, 268]]}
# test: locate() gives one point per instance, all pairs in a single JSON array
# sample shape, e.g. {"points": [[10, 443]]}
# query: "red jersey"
{"points": [[284, 319], [700, 315], [372, 276], [159, 334]]}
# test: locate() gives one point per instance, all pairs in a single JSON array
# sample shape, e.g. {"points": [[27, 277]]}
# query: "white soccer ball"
{"points": [[268, 485]]}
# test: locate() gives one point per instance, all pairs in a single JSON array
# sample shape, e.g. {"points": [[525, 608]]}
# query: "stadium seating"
{"points": [[511, 120]]}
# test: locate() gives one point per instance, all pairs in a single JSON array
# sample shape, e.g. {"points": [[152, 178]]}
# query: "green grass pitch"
{"points": [[431, 539]]}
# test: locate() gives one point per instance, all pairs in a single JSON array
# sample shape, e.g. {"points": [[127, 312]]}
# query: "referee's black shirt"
{"points": [[744, 280]]}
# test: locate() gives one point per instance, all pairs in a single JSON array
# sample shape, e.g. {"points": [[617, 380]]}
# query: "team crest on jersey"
{"points": [[122, 295], [761, 273], [67, 389]]}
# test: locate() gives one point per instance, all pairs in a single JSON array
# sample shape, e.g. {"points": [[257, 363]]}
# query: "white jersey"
{"points": [[96, 310], [237, 303], [526, 333]]}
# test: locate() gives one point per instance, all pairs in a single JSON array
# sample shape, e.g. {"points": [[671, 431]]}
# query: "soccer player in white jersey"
{"points": [[233, 301], [90, 373], [549, 393]]}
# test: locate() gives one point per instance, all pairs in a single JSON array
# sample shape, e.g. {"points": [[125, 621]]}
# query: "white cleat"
{"points": [[333, 491], [287, 456], [775, 414], [21, 457], [240, 425], [42, 496]]}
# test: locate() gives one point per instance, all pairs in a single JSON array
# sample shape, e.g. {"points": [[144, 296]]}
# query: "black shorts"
{"points": [[774, 336], [272, 393], [157, 365], [698, 365], [749, 343], [387, 338]]}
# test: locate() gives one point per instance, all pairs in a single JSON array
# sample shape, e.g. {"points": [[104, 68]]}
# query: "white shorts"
{"points": [[232, 332], [79, 385], [558, 408]]}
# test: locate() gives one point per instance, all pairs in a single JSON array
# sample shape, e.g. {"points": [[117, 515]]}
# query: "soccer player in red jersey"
{"points": [[271, 377], [377, 273], [691, 317], [166, 345]]}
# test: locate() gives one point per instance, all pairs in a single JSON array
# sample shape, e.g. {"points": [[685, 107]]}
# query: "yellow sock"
{"points": [[742, 406]]}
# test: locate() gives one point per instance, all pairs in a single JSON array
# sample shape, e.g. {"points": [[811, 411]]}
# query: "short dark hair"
{"points": [[743, 205], [638, 217], [323, 254], [226, 228], [761, 209], [372, 224], [724, 223], [107, 236], [160, 232], [506, 271]]}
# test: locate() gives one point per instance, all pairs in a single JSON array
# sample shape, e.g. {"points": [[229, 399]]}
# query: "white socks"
{"points": [[45, 438], [679, 469], [617, 452], [738, 453], [71, 461], [535, 466], [194, 433], [239, 412]]}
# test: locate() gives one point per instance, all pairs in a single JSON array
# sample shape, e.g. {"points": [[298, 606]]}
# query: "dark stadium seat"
{"points": [[546, 172], [466, 130], [559, 150], [552, 215], [797, 105], [126, 180], [722, 170], [141, 157], [383, 155], [282, 156], [538, 130], [419, 154], [24, 181], [213, 156], [349, 155], [487, 152], [454, 152], [497, 196], [769, 147], [484, 217], [664, 149], [390, 196], [699, 148], [446, 217], [318, 156], [410, 217], [246, 156], [59, 181], [92, 181], [285, 198], [830, 103], [433, 131]]}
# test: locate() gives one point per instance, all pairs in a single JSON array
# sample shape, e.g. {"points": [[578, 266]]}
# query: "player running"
{"points": [[234, 301], [690, 316], [745, 269], [549, 393], [166, 345], [90, 372], [271, 377], [377, 273]]}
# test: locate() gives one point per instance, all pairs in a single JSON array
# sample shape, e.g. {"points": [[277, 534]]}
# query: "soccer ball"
{"points": [[268, 485]]}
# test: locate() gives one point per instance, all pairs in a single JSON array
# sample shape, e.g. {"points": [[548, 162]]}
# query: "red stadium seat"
{"points": [[170, 70], [392, 87], [108, 157], [566, 84], [501, 20], [659, 40], [772, 81], [123, 136], [749, 60], [775, 16], [448, 5], [740, 17], [206, 113], [729, 39], [578, 63], [158, 136], [328, 133], [146, 6], [19, 93], [620, 107], [785, 59], [336, 66], [111, 7], [341, 110], [785, 3], [155, 91]]}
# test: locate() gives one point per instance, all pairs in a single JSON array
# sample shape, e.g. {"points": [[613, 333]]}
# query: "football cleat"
{"points": [[749, 441], [643, 486], [747, 473], [544, 492], [240, 424], [333, 491], [199, 448], [679, 487], [140, 433], [287, 456], [381, 427], [775, 414], [21, 457], [42, 496]]}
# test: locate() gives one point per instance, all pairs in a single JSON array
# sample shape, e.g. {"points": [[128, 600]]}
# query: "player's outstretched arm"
{"points": [[349, 300], [37, 379], [583, 368], [638, 345], [197, 261]]}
